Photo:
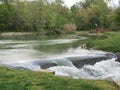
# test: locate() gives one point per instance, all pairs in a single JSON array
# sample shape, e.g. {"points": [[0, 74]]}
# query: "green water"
{"points": [[25, 48]]}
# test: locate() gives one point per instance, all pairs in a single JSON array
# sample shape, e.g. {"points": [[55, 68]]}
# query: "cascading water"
{"points": [[101, 70]]}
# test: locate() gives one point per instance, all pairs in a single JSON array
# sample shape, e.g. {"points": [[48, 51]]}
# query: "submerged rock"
{"points": [[81, 61], [87, 61], [45, 65], [118, 57]]}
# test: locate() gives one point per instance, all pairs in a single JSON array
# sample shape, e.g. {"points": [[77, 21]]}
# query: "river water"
{"points": [[30, 52]]}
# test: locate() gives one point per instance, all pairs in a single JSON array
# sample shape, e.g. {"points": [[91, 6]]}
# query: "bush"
{"points": [[70, 27]]}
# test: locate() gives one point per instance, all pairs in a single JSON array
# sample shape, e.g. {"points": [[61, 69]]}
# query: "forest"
{"points": [[53, 17]]}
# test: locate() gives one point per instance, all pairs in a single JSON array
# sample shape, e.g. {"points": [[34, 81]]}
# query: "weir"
{"points": [[77, 61], [90, 60]]}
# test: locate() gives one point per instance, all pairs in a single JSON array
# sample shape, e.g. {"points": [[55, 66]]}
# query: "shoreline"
{"points": [[11, 34]]}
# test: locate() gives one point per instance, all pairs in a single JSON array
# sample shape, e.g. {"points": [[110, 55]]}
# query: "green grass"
{"points": [[13, 79], [111, 44], [82, 32]]}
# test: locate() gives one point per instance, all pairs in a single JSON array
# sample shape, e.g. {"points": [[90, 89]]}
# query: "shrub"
{"points": [[70, 27]]}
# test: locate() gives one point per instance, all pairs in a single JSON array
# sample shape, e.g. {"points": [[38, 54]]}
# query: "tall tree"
{"points": [[117, 16], [92, 13], [6, 15]]}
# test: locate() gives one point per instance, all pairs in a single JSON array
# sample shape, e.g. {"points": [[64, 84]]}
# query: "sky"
{"points": [[69, 3]]}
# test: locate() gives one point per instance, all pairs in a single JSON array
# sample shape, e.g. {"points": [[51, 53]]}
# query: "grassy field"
{"points": [[111, 43], [13, 79]]}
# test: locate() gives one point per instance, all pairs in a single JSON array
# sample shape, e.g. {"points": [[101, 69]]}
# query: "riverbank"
{"points": [[110, 44], [13, 34], [13, 79]]}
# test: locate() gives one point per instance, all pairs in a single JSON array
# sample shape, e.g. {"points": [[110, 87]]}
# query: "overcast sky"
{"points": [[69, 3]]}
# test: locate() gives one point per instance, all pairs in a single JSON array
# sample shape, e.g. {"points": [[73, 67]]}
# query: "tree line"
{"points": [[52, 16]]}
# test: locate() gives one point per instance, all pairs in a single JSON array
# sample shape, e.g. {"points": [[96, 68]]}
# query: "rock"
{"points": [[117, 84], [118, 57], [46, 71], [81, 61], [45, 65]]}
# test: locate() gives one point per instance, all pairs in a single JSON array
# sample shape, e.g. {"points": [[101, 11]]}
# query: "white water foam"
{"points": [[101, 70]]}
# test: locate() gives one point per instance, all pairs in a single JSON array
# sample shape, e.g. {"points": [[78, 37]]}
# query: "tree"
{"points": [[91, 12], [6, 15], [117, 16]]}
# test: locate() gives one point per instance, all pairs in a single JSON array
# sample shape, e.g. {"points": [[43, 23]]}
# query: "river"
{"points": [[57, 54]]}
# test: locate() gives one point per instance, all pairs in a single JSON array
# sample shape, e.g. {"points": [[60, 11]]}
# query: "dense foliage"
{"points": [[52, 16], [11, 79]]}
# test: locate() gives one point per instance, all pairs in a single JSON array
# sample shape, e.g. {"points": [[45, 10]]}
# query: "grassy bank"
{"points": [[111, 43], [11, 79]]}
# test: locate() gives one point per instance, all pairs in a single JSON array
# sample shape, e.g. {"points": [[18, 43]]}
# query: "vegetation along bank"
{"points": [[13, 79]]}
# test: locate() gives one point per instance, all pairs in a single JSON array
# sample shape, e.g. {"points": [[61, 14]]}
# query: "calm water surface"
{"points": [[20, 49]]}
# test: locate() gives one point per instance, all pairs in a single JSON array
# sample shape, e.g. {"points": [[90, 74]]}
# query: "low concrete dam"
{"points": [[76, 61]]}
